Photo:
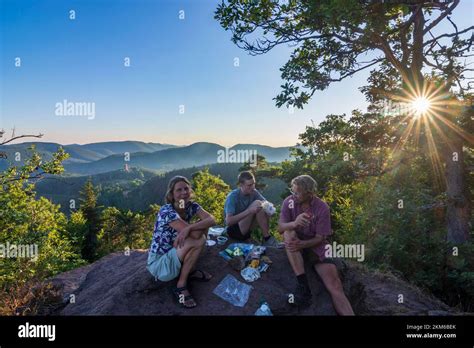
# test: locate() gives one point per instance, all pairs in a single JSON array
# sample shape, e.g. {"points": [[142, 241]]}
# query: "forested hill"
{"points": [[137, 188]]}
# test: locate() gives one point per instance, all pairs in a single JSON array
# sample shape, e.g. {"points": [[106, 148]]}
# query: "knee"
{"points": [[197, 234], [195, 242], [201, 241]]}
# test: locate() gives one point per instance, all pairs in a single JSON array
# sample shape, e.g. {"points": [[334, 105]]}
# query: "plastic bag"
{"points": [[233, 291], [250, 274], [264, 310], [255, 253], [245, 248], [242, 249], [268, 208]]}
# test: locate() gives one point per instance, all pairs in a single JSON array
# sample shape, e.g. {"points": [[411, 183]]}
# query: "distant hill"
{"points": [[164, 160], [120, 147], [96, 158], [197, 154], [153, 191], [80, 153], [138, 188], [61, 189], [150, 167]]}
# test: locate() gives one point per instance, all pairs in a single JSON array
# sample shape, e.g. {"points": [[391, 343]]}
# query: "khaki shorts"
{"points": [[164, 267], [312, 258]]}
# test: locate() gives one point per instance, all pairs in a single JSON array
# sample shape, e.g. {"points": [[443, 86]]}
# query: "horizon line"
{"points": [[141, 141]]}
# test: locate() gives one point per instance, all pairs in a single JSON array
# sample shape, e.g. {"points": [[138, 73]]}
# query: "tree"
{"points": [[28, 221], [333, 39], [34, 226], [210, 191], [407, 236], [91, 213], [261, 165], [77, 230], [125, 229]]}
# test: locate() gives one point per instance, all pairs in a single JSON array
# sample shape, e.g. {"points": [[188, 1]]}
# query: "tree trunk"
{"points": [[458, 206]]}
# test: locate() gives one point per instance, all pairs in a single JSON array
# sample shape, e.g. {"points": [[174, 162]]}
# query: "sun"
{"points": [[420, 106], [428, 111]]}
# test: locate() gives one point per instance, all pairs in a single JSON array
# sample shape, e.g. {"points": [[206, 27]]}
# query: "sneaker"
{"points": [[302, 296], [271, 242]]}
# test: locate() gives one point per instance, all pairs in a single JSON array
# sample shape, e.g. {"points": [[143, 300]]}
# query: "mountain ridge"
{"points": [[96, 158]]}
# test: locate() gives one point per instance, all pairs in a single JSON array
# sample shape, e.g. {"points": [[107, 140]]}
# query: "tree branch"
{"points": [[375, 61], [385, 47], [37, 176], [441, 17], [21, 136], [417, 51], [449, 35], [403, 40]]}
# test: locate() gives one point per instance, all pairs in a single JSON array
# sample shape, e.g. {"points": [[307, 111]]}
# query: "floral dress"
{"points": [[164, 235]]}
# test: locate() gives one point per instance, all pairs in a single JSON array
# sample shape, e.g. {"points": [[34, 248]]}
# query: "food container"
{"points": [[221, 240], [210, 242], [216, 231]]}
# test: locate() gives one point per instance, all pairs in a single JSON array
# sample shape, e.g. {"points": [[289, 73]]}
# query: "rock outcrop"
{"points": [[119, 284]]}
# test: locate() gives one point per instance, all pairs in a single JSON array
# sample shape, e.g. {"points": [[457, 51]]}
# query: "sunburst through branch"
{"points": [[428, 114]]}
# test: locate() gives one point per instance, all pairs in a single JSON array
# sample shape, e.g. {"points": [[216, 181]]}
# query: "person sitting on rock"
{"points": [[305, 223], [176, 242], [243, 211]]}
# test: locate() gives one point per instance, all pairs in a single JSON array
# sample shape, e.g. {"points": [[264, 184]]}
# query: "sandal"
{"points": [[178, 294], [202, 277]]}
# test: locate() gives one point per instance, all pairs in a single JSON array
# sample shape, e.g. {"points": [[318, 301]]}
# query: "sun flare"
{"points": [[421, 106]]}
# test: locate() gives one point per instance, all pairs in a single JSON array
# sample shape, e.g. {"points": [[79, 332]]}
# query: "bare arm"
{"points": [[233, 219], [254, 208], [206, 220], [286, 226], [300, 221], [179, 225]]}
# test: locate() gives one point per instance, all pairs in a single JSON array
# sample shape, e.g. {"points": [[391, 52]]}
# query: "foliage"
{"points": [[35, 226], [91, 213], [125, 229], [210, 192], [391, 204], [333, 39]]}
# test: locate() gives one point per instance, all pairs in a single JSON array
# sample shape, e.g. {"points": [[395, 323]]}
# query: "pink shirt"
{"points": [[320, 222]]}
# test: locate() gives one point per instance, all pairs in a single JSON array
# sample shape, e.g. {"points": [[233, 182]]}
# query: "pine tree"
{"points": [[91, 212]]}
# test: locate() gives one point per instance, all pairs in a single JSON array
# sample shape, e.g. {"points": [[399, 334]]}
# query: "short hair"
{"points": [[306, 183], [244, 176], [174, 180]]}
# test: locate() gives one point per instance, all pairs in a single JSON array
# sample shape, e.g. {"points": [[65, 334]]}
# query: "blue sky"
{"points": [[173, 62]]}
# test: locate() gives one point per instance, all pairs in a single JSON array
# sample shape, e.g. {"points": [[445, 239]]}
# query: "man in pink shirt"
{"points": [[305, 222]]}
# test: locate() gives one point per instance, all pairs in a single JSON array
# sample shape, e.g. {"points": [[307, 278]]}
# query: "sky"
{"points": [[173, 62]]}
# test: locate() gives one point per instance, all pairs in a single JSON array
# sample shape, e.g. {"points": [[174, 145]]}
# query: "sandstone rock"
{"points": [[120, 285]]}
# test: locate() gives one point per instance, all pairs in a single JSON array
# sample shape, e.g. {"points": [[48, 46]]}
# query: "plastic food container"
{"points": [[210, 242], [216, 231], [221, 240]]}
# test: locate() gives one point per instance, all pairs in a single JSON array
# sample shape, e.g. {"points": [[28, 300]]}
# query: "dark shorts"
{"points": [[234, 232], [312, 258]]}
